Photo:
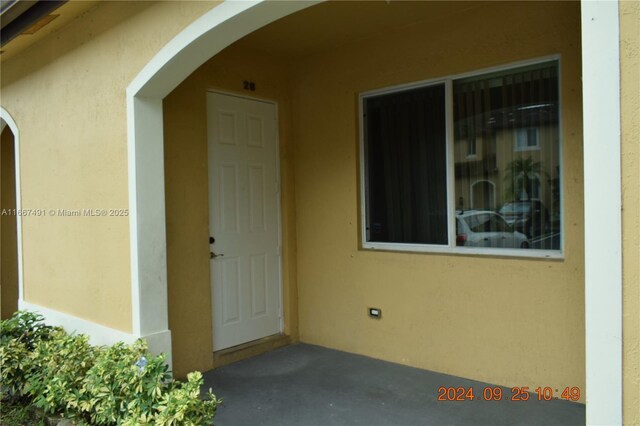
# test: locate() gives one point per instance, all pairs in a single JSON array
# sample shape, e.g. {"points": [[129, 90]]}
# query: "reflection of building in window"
{"points": [[527, 138], [471, 151], [406, 145], [528, 189], [483, 195], [516, 113]]}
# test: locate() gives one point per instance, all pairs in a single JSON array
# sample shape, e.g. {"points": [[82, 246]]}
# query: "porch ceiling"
{"points": [[332, 24]]}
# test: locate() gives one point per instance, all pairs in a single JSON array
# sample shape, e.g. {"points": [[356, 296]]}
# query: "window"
{"points": [[471, 146], [527, 138], [431, 184], [406, 166]]}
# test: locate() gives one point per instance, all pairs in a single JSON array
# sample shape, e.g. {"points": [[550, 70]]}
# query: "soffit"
{"points": [[66, 13]]}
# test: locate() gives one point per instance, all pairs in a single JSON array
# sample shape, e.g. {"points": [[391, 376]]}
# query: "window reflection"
{"points": [[510, 121]]}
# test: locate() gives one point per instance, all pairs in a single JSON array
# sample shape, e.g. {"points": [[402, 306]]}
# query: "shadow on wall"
{"points": [[8, 227]]}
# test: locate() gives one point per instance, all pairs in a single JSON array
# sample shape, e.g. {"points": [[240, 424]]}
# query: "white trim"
{"points": [[279, 213], [7, 120], [479, 251], [602, 211], [362, 174], [451, 247], [98, 334], [471, 197], [204, 38], [208, 35], [451, 164], [158, 343], [147, 212], [466, 74], [561, 169], [536, 147], [133, 222]]}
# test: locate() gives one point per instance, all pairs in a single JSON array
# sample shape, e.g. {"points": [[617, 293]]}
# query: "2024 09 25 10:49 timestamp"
{"points": [[518, 393]]}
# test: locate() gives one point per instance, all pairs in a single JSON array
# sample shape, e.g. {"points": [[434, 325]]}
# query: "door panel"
{"points": [[243, 219]]}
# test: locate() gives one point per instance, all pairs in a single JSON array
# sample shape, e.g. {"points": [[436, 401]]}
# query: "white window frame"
{"points": [[472, 142], [451, 247], [527, 147]]}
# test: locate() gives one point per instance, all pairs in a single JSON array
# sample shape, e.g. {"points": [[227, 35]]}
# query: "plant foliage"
{"points": [[62, 374]]}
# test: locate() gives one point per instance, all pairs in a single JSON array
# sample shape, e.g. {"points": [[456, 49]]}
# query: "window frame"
{"points": [[451, 247], [527, 147], [472, 153]]}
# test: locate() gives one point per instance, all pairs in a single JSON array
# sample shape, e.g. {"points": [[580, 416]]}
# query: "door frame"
{"points": [[278, 201]]}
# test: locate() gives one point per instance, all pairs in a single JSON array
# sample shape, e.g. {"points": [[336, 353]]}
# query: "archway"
{"points": [[204, 38], [10, 219], [232, 20], [483, 195]]}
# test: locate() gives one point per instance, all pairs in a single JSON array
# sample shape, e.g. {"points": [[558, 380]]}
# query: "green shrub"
{"points": [[124, 381], [26, 327], [56, 369], [118, 385], [19, 335]]}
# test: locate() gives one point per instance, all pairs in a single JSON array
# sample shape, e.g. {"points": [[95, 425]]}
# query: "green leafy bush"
{"points": [[19, 335], [123, 384], [26, 327], [56, 369]]}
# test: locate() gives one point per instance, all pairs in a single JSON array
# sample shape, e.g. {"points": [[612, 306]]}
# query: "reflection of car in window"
{"points": [[479, 228], [529, 217]]}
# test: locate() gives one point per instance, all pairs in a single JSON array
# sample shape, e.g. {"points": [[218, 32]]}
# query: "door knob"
{"points": [[212, 240], [212, 255]]}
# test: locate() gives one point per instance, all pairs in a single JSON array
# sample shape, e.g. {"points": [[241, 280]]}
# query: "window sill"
{"points": [[529, 148], [469, 251]]}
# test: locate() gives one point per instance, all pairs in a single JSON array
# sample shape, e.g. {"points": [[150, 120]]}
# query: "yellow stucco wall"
{"points": [[630, 117], [8, 230], [185, 128], [430, 301], [67, 96], [515, 322], [446, 313]]}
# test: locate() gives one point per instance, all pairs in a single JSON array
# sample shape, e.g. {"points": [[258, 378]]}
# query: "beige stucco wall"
{"points": [[67, 96], [8, 229], [516, 322], [447, 313], [337, 280], [630, 116], [187, 205]]}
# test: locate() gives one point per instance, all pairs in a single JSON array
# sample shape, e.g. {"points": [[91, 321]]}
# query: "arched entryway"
{"points": [[203, 39], [483, 195], [10, 217]]}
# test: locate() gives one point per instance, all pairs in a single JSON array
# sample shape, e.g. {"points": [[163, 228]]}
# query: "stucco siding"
{"points": [[67, 95], [516, 322], [630, 163], [187, 196]]}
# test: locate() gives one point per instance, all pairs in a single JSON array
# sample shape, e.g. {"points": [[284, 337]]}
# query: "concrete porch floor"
{"points": [[308, 385]]}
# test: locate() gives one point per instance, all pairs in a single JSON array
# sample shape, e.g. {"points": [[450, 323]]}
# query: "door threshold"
{"points": [[249, 349]]}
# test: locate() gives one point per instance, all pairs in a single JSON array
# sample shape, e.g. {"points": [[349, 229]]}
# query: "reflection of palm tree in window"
{"points": [[523, 179]]}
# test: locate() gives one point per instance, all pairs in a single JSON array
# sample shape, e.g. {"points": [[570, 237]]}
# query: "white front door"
{"points": [[243, 219]]}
